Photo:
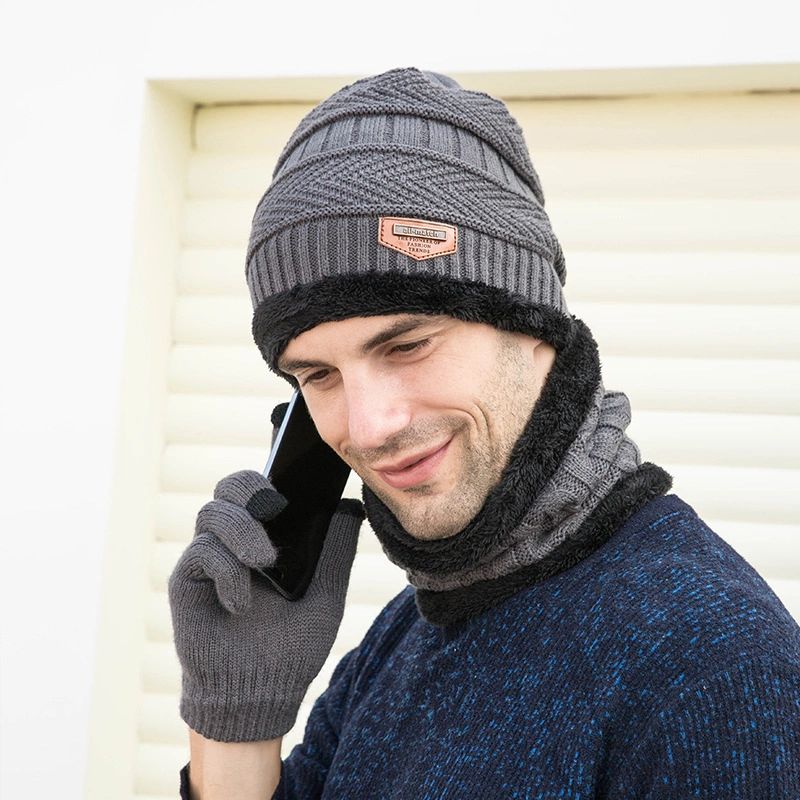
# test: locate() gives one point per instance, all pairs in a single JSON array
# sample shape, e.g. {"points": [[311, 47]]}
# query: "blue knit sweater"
{"points": [[660, 666]]}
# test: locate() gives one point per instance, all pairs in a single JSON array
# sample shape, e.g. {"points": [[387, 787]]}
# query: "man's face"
{"points": [[425, 409]]}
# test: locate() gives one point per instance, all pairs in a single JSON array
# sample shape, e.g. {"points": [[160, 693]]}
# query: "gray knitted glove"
{"points": [[248, 655]]}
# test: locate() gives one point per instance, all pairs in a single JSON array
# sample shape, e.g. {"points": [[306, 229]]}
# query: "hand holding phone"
{"points": [[232, 629], [309, 474]]}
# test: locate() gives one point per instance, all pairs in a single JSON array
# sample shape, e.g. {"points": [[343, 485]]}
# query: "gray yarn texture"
{"points": [[411, 144], [247, 654]]}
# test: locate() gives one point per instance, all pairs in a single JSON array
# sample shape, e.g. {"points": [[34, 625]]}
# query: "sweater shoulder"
{"points": [[657, 603], [674, 597], [679, 562]]}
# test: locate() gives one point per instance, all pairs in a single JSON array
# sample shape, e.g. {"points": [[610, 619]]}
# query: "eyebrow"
{"points": [[398, 328]]}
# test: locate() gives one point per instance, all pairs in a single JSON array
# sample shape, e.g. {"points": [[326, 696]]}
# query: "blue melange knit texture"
{"points": [[662, 666]]}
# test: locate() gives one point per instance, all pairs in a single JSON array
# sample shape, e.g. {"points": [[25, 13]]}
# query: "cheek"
{"points": [[329, 419], [454, 382], [446, 383]]}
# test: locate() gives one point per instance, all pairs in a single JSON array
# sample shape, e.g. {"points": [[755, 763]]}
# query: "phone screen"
{"points": [[312, 478]]}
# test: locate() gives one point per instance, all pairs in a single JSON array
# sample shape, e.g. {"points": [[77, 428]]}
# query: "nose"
{"points": [[376, 410]]}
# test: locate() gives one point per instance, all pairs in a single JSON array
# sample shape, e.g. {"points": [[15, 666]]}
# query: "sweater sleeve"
{"points": [[733, 735]]}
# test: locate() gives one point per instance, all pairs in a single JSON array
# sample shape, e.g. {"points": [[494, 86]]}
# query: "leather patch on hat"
{"points": [[418, 238]]}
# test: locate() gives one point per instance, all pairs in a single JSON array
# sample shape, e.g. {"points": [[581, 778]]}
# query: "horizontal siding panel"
{"points": [[746, 440], [637, 223], [693, 122], [358, 617], [645, 276], [170, 796], [218, 369], [698, 384], [155, 769], [788, 591], [193, 468], [772, 550], [175, 514], [641, 329], [671, 224], [244, 176], [748, 495], [669, 172], [248, 128], [160, 722], [221, 419], [159, 618], [693, 331], [591, 172], [217, 223], [211, 271], [744, 277], [161, 670], [216, 320]]}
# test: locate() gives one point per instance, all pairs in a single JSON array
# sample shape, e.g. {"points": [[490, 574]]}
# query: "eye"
{"points": [[315, 377], [410, 347]]}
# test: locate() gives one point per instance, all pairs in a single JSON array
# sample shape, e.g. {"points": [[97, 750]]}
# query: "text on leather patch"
{"points": [[418, 238]]}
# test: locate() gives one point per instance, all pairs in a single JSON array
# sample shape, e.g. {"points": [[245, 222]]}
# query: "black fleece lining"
{"points": [[628, 495], [557, 416], [281, 317]]}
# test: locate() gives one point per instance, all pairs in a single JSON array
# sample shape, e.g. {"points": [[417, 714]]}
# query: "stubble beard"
{"points": [[427, 513]]}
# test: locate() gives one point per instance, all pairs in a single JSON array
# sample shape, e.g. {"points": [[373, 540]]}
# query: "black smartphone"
{"points": [[312, 478]]}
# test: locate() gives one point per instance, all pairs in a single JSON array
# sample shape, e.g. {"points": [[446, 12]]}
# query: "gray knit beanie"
{"points": [[404, 193]]}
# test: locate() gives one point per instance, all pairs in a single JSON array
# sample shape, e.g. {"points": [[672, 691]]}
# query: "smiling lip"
{"points": [[415, 469]]}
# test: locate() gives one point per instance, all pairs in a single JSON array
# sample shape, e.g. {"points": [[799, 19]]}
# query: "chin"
{"points": [[427, 513], [426, 524]]}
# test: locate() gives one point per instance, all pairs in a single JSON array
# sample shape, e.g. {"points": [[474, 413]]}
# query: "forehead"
{"points": [[354, 334]]}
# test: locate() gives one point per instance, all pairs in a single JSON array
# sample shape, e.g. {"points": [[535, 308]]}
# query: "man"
{"points": [[570, 630]]}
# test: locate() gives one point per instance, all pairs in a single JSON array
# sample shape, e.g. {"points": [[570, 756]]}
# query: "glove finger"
{"points": [[251, 490], [207, 559], [339, 548], [245, 537]]}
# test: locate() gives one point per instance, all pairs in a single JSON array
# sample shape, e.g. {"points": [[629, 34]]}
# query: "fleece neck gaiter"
{"points": [[572, 479]]}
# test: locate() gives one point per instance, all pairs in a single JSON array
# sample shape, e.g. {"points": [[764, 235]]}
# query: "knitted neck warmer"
{"points": [[573, 477]]}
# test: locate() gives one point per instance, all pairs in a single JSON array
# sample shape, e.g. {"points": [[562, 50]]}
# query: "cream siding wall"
{"points": [[678, 216]]}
